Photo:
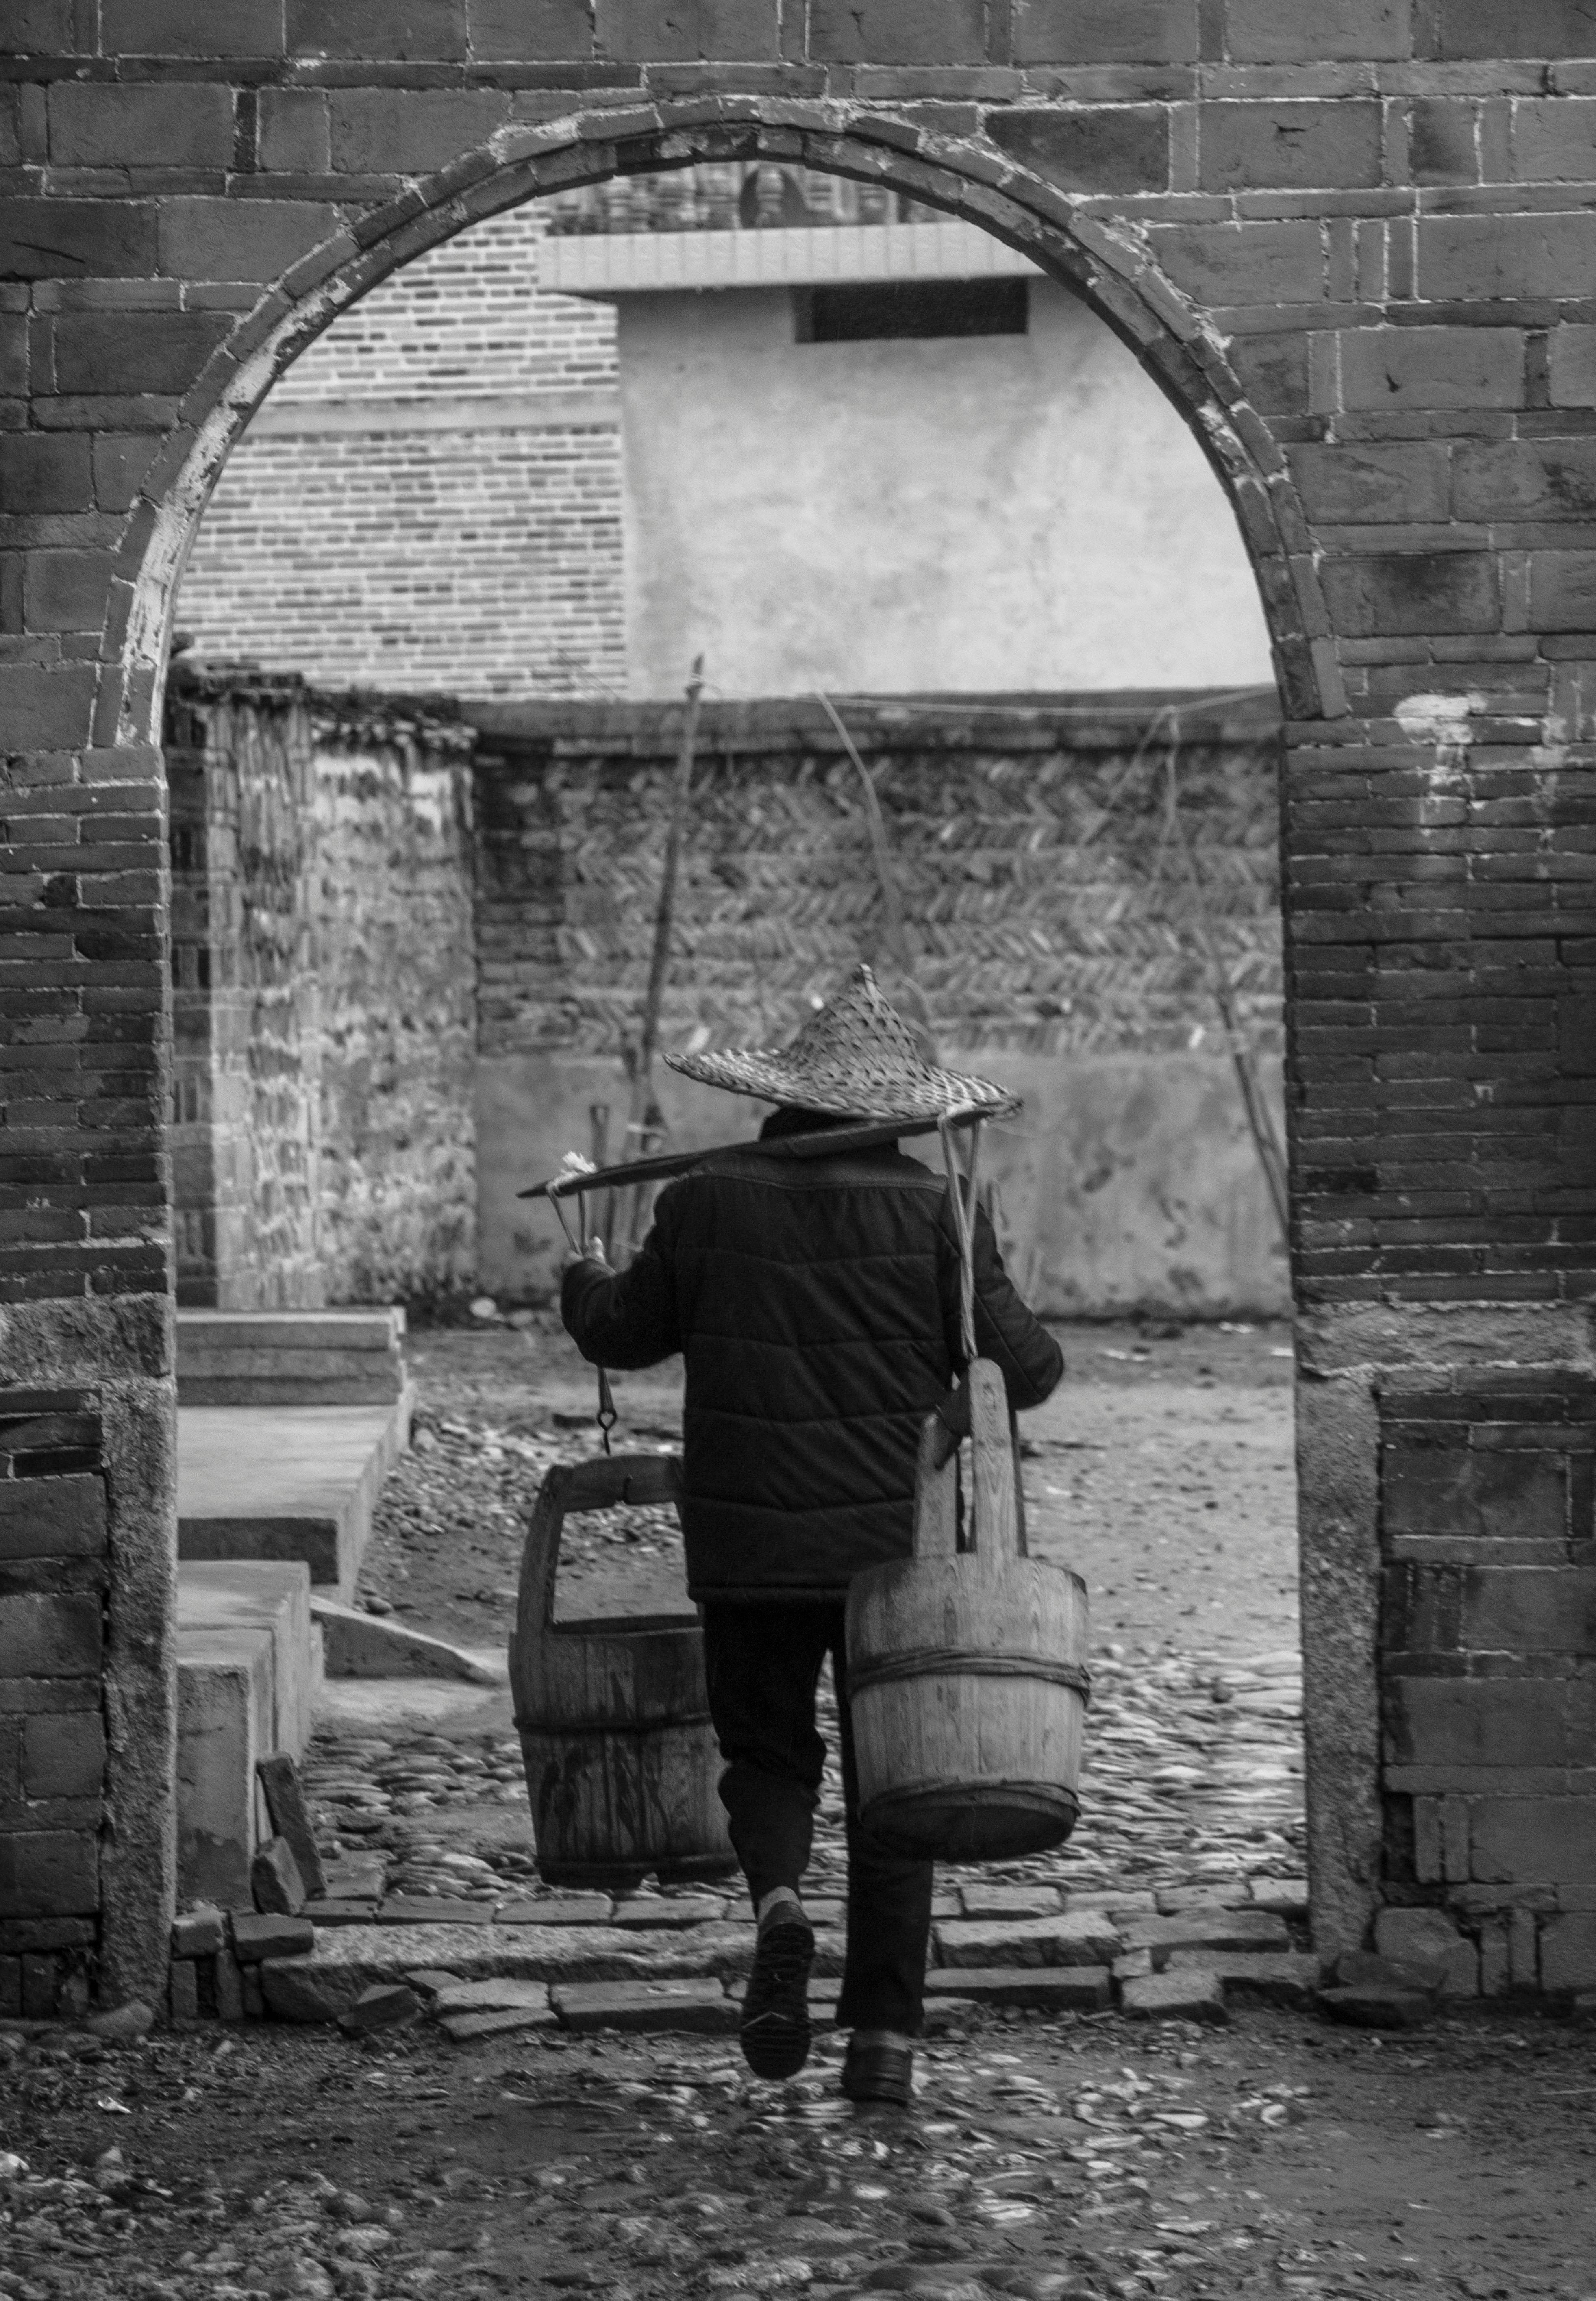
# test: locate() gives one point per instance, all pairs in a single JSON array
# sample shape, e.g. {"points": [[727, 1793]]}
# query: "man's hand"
{"points": [[592, 1253]]}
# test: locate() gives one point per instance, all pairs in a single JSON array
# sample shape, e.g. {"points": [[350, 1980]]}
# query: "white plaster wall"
{"points": [[982, 513], [1128, 1183]]}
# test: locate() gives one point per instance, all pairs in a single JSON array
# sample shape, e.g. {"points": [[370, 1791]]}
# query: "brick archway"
{"points": [[1354, 243], [1167, 333]]}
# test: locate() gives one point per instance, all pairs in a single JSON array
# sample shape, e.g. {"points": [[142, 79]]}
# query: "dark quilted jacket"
{"points": [[817, 1304]]}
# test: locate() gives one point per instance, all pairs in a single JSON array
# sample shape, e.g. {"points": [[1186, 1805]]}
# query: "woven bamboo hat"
{"points": [[855, 1058]]}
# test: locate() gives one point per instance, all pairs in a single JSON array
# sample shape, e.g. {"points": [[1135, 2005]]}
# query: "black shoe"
{"points": [[774, 2029], [879, 2072]]}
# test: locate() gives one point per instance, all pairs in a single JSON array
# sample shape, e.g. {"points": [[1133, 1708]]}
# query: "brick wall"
{"points": [[1046, 898], [1354, 241], [322, 959], [53, 1579], [1059, 939], [508, 579]]}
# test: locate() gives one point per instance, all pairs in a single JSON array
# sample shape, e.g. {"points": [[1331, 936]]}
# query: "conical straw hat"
{"points": [[855, 1058]]}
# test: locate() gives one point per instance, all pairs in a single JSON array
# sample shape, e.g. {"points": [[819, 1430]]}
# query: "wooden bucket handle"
{"points": [[997, 1524], [599, 1484]]}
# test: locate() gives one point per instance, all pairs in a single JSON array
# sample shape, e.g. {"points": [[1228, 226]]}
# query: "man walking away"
{"points": [[816, 1300]]}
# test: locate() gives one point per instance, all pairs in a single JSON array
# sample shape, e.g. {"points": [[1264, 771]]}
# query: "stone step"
{"points": [[286, 1483], [367, 1646], [289, 1358], [262, 1593], [226, 1724]]}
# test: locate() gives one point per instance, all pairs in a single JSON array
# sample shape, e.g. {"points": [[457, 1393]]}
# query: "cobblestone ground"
{"points": [[1076, 2153]]}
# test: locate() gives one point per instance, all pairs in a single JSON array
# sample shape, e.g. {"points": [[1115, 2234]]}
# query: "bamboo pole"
{"points": [[897, 936], [646, 1125], [1260, 1119]]}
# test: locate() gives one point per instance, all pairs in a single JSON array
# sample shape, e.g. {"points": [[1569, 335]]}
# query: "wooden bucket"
{"points": [[614, 1716], [967, 1671]]}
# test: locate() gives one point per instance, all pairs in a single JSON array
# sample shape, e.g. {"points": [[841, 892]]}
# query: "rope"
{"points": [[968, 1661], [608, 1412], [964, 1231]]}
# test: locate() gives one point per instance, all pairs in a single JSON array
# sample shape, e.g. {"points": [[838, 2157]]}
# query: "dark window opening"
{"points": [[911, 308]]}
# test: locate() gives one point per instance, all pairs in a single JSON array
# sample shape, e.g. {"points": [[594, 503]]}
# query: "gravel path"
{"points": [[1161, 1470]]}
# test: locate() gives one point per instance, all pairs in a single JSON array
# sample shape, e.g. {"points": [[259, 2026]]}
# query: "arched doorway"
{"points": [[1213, 429]]}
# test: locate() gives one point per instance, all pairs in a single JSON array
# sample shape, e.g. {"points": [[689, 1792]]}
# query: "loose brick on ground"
{"points": [[1075, 1938], [699, 2006], [1194, 1995], [1059, 1989]]}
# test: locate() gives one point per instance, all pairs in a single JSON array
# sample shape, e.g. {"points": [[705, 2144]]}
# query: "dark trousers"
{"points": [[763, 1666]]}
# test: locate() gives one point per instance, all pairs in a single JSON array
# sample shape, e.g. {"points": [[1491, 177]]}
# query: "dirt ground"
{"points": [[1080, 2156]]}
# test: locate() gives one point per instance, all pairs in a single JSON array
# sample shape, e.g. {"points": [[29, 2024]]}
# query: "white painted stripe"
{"points": [[614, 263]]}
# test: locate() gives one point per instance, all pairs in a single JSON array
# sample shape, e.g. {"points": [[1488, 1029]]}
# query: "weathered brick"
{"points": [[1571, 367], [1515, 28], [1478, 1721], [1084, 1939], [257, 1935], [292, 134], [120, 461], [1465, 259], [1245, 263], [1429, 1491], [1392, 592], [1253, 147], [1352, 482], [1057, 1989], [1194, 1992], [646, 31], [199, 1932], [1119, 148], [46, 1873], [1524, 1610], [203, 239], [1317, 31], [1429, 1939], [135, 351], [1563, 590], [1528, 479], [1277, 1977], [647, 2007], [191, 27], [65, 591], [897, 31], [51, 1517], [1207, 1929], [64, 1757], [1554, 140], [61, 238], [44, 471], [1432, 367], [49, 1635], [1569, 1952], [174, 125], [384, 130], [1442, 142], [1105, 31], [503, 29], [37, 28], [397, 31], [1522, 1839]]}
